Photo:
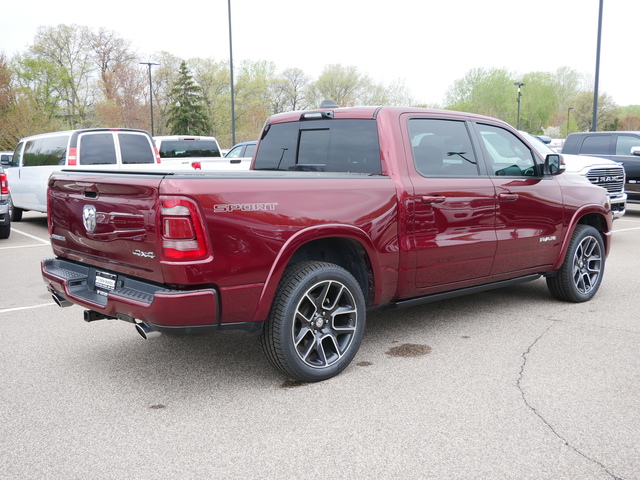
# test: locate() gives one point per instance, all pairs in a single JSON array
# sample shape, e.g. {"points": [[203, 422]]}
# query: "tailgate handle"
{"points": [[508, 197], [431, 199]]}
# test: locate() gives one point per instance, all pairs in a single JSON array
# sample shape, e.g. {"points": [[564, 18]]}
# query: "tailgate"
{"points": [[108, 220]]}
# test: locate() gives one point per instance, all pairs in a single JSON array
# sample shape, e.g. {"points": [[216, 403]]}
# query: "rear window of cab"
{"points": [[336, 145]]}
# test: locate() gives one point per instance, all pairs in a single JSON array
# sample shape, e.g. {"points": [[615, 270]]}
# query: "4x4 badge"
{"points": [[89, 218]]}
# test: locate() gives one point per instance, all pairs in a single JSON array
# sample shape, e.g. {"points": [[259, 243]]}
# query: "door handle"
{"points": [[431, 199], [508, 197]]}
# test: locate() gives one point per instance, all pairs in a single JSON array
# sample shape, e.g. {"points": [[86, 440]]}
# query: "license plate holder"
{"points": [[105, 282]]}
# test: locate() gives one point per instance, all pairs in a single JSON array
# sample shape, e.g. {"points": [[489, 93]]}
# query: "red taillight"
{"points": [[4, 184], [181, 229], [72, 157], [196, 165], [157, 154]]}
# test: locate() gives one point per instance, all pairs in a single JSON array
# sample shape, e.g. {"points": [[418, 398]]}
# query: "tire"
{"points": [[581, 273], [5, 230], [304, 340], [15, 214]]}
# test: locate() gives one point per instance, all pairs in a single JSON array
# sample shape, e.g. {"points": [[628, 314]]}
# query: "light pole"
{"points": [[150, 91], [519, 85], [594, 118], [568, 113], [233, 110]]}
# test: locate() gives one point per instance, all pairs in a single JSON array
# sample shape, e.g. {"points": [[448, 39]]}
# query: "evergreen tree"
{"points": [[186, 114]]}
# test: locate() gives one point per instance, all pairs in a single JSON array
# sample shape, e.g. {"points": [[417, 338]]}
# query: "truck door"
{"points": [[529, 217], [453, 204], [626, 152]]}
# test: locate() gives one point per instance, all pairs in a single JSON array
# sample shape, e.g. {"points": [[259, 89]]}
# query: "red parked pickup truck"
{"points": [[344, 210]]}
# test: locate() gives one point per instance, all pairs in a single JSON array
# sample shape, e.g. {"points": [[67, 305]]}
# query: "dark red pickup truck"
{"points": [[344, 210]]}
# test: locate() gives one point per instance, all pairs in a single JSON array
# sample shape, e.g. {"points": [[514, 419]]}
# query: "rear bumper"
{"points": [[163, 309]]}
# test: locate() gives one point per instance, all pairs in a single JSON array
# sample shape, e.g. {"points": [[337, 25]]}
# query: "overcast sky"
{"points": [[427, 44]]}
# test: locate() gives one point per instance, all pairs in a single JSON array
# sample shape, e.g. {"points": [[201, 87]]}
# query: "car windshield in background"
{"points": [[188, 148], [321, 146], [538, 144]]}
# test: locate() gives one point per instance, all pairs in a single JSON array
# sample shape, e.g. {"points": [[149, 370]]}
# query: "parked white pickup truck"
{"points": [[193, 152], [36, 157]]}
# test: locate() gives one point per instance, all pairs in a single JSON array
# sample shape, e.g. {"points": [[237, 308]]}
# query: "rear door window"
{"points": [[442, 148], [135, 148], [97, 149]]}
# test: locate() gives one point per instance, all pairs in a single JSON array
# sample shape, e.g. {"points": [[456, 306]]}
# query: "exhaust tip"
{"points": [[145, 332], [60, 300]]}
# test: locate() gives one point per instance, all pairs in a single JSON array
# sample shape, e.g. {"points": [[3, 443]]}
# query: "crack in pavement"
{"points": [[544, 420]]}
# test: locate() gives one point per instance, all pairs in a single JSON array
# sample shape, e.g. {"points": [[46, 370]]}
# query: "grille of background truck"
{"points": [[610, 178]]}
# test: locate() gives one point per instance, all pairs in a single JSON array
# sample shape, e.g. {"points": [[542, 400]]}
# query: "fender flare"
{"points": [[301, 238], [575, 221]]}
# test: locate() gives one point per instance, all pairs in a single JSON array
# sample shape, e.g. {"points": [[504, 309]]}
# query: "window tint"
{"points": [[97, 149], [135, 148], [321, 145], [507, 154], [625, 143], [45, 151], [442, 148], [595, 144], [250, 150], [188, 148]]}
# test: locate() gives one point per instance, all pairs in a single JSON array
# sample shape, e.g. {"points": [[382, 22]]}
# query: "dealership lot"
{"points": [[504, 384]]}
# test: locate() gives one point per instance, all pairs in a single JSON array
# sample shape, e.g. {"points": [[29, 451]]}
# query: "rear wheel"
{"points": [[581, 273], [5, 230], [15, 214], [316, 322]]}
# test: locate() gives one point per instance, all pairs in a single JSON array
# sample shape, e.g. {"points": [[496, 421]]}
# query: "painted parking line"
{"points": [[46, 242], [626, 229], [17, 309]]}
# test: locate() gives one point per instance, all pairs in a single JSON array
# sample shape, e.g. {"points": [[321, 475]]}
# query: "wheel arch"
{"points": [[600, 220], [343, 245]]}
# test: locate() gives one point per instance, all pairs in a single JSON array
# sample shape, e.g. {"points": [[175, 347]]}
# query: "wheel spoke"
{"points": [[325, 324], [587, 265]]}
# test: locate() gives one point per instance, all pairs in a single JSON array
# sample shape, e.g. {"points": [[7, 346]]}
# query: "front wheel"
{"points": [[581, 273], [316, 322]]}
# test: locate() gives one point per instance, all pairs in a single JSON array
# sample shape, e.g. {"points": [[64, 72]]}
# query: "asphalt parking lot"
{"points": [[508, 384]]}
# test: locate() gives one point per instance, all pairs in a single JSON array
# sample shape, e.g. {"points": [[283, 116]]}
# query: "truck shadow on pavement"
{"points": [[230, 359]]}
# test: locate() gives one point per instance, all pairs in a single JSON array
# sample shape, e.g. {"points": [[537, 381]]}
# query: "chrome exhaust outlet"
{"points": [[145, 332], [60, 300]]}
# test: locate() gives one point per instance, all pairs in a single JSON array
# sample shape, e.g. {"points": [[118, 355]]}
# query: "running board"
{"points": [[436, 297]]}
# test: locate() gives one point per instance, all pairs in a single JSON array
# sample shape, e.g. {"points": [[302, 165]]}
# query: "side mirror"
{"points": [[553, 164], [635, 151]]}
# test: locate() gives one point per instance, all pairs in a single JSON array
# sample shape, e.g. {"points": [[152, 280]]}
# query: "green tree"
{"points": [[187, 114], [485, 91], [583, 112], [214, 79], [67, 48], [252, 102], [343, 85]]}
